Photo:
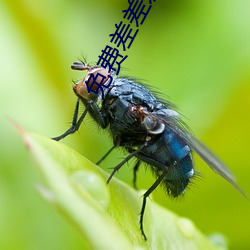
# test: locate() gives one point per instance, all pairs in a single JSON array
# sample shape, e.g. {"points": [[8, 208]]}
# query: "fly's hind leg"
{"points": [[145, 196], [135, 169]]}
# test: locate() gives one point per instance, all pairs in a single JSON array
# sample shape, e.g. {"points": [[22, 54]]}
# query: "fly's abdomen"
{"points": [[170, 155], [180, 166], [178, 176]]}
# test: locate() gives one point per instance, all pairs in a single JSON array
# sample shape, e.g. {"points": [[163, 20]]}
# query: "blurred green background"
{"points": [[196, 53]]}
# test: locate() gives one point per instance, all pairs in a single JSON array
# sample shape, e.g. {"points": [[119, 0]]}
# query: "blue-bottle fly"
{"points": [[149, 128]]}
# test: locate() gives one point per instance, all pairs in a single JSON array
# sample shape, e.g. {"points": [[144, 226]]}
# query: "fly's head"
{"points": [[93, 74]]}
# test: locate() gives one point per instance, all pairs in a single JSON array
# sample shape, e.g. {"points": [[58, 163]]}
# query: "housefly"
{"points": [[149, 128]]}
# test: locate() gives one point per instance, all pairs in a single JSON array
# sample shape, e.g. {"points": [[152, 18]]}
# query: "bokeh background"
{"points": [[195, 52]]}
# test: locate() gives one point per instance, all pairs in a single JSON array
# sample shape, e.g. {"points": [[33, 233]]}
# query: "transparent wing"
{"points": [[207, 155], [175, 124]]}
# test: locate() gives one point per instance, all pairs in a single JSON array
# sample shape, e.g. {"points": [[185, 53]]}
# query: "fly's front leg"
{"points": [[95, 112], [75, 123]]}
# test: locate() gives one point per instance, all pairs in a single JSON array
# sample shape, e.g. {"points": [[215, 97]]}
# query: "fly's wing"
{"points": [[212, 160], [175, 124]]}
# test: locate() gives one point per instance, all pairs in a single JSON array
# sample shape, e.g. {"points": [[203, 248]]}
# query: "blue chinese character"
{"points": [[109, 58], [97, 84], [120, 35], [135, 11]]}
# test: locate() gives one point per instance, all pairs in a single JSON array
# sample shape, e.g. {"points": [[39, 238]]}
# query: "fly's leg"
{"points": [[75, 124], [105, 155], [145, 196], [125, 160], [97, 114], [135, 169], [93, 109]]}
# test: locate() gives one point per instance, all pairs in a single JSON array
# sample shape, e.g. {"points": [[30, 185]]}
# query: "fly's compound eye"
{"points": [[96, 78], [152, 125]]}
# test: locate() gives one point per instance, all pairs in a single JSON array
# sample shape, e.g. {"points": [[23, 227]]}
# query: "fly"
{"points": [[149, 128]]}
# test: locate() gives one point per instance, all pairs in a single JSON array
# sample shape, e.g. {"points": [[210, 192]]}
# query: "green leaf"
{"points": [[106, 215]]}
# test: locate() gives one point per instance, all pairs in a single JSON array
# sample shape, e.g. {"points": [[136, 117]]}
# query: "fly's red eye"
{"points": [[95, 77], [99, 75]]}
